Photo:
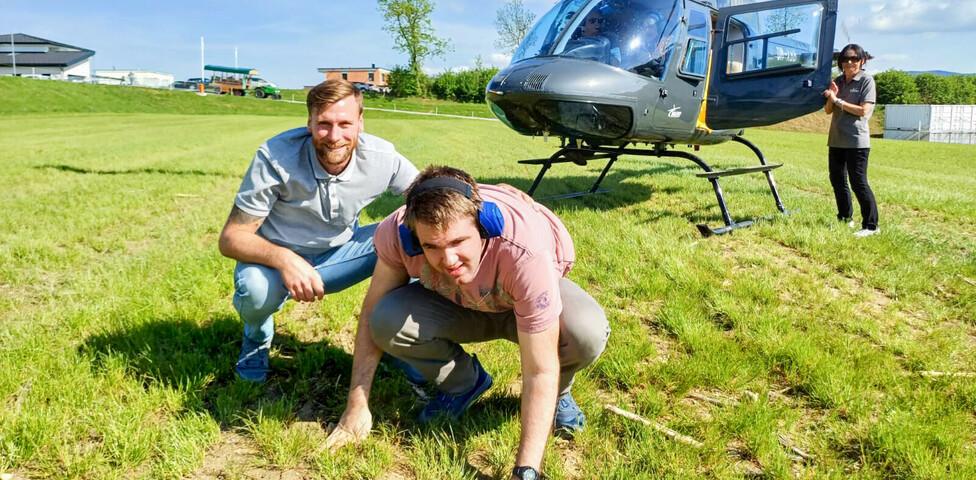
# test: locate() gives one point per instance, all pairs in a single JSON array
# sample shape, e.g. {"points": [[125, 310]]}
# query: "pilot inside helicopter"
{"points": [[629, 34]]}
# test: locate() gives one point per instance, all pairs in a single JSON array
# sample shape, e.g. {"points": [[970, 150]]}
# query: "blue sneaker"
{"points": [[252, 365], [453, 406], [569, 418]]}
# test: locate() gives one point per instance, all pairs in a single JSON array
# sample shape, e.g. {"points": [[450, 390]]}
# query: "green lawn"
{"points": [[118, 337]]}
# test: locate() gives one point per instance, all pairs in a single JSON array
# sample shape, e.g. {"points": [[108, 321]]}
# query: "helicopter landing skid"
{"points": [[580, 155], [577, 156]]}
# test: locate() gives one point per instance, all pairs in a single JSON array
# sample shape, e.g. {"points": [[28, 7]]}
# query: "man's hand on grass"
{"points": [[353, 428]]}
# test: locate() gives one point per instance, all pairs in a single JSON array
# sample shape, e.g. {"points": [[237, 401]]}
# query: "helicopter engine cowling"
{"points": [[568, 97]]}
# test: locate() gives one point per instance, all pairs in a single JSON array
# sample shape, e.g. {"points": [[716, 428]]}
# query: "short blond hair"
{"points": [[330, 92]]}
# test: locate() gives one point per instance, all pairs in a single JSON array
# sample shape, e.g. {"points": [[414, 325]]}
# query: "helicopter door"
{"points": [[770, 62]]}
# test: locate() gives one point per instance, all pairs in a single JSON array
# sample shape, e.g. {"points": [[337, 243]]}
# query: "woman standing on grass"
{"points": [[850, 99]]}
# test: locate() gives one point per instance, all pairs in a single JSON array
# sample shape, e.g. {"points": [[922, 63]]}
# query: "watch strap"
{"points": [[526, 473]]}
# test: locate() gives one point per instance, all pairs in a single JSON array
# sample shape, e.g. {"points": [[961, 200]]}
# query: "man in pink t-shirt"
{"points": [[488, 266]]}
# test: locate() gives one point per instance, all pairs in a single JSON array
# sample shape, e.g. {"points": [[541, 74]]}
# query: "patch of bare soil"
{"points": [[572, 457], [398, 468], [315, 330], [745, 461], [799, 264], [236, 457]]}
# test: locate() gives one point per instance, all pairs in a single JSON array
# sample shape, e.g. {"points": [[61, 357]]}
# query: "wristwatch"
{"points": [[525, 473]]}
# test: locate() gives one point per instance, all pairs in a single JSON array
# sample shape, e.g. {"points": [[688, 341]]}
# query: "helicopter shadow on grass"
{"points": [[311, 379]]}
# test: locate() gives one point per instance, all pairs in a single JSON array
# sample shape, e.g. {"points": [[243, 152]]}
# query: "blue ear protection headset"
{"points": [[490, 220]]}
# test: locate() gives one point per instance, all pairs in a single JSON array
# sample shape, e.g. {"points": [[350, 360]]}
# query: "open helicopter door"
{"points": [[770, 62]]}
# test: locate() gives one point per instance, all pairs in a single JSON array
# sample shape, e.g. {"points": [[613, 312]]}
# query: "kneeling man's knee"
{"points": [[387, 320], [593, 335]]}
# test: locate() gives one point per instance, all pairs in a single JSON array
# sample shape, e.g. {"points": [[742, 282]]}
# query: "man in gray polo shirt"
{"points": [[294, 227]]}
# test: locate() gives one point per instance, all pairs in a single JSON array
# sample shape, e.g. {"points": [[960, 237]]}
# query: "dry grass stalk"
{"points": [[946, 374], [800, 454], [656, 426]]}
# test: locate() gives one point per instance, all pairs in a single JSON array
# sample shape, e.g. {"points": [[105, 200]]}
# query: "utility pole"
{"points": [[235, 57], [201, 59]]}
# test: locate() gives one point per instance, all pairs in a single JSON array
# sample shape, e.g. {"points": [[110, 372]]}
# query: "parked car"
{"points": [[368, 87], [180, 84]]}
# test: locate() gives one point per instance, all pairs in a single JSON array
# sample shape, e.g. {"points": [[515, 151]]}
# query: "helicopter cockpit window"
{"points": [[696, 55], [635, 35], [781, 38], [546, 31]]}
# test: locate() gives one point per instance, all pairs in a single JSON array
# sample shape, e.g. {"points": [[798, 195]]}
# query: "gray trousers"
{"points": [[424, 329]]}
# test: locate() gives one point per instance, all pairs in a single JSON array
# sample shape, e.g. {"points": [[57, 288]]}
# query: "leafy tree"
{"points": [[466, 86], [513, 22], [403, 82], [934, 89], [409, 23], [896, 87], [963, 90]]}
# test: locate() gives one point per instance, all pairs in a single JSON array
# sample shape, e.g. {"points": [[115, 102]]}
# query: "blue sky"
{"points": [[288, 40]]}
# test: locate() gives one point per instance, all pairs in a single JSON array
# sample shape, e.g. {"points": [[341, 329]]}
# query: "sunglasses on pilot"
{"points": [[848, 59]]}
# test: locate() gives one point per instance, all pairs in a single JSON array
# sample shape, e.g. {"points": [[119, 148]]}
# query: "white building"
{"points": [[138, 78], [24, 55]]}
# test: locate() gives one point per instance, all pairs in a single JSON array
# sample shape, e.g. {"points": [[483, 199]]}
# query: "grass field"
{"points": [[118, 337]]}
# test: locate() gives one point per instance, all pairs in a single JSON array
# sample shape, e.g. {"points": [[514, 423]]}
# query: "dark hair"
{"points": [[329, 92], [440, 207], [858, 51]]}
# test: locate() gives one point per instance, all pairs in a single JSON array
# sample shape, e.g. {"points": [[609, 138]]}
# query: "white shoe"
{"points": [[851, 225], [865, 233]]}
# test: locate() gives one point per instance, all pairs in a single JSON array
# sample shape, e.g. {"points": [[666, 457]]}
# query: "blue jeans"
{"points": [[260, 290]]}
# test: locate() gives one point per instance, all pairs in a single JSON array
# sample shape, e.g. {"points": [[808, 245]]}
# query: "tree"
{"points": [[409, 23], [963, 90], [934, 89], [896, 87], [403, 82], [513, 22], [465, 86]]}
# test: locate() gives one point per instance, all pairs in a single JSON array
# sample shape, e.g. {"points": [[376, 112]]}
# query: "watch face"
{"points": [[526, 473]]}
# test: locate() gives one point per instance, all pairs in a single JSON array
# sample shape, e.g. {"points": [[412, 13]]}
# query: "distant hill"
{"points": [[938, 72]]}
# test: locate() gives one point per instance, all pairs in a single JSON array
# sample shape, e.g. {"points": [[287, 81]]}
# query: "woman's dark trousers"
{"points": [[853, 163]]}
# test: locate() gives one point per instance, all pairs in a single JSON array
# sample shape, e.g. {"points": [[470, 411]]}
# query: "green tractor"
{"points": [[265, 89]]}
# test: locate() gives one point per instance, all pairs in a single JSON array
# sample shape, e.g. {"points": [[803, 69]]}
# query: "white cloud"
{"points": [[907, 17], [500, 59], [892, 57]]}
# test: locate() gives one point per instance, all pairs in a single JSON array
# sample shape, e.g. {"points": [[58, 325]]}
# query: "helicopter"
{"points": [[637, 77]]}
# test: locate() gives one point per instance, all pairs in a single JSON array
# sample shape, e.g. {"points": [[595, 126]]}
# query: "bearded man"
{"points": [[294, 227]]}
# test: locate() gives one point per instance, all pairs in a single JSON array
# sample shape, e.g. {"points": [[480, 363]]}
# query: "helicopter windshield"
{"points": [[635, 35]]}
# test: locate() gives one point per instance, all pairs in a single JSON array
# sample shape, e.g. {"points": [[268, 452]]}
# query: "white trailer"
{"points": [[931, 123]]}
